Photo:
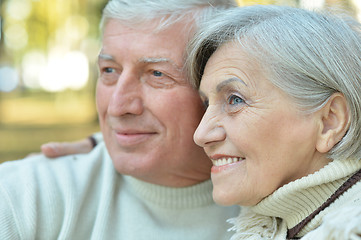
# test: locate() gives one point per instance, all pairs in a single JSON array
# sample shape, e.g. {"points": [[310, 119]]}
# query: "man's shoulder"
{"points": [[37, 192], [40, 172]]}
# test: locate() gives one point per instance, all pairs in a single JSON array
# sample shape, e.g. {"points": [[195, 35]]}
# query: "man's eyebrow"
{"points": [[226, 82], [106, 57], [154, 60], [143, 60], [159, 60]]}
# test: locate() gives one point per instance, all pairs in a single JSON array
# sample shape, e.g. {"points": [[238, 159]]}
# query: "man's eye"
{"points": [[158, 79], [233, 100], [109, 70], [109, 75], [157, 73]]}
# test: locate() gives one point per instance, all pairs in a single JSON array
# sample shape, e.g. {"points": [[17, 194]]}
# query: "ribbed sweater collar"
{"points": [[187, 197], [296, 200]]}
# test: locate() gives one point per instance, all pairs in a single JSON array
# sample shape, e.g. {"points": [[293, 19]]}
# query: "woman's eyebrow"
{"points": [[227, 81]]}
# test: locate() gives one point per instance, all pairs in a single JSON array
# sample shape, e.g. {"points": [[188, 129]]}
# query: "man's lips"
{"points": [[128, 138]]}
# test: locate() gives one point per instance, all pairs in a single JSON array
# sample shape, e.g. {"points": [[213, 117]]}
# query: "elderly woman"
{"points": [[282, 90]]}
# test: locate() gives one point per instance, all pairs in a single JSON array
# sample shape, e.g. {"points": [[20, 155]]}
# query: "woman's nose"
{"points": [[209, 131]]}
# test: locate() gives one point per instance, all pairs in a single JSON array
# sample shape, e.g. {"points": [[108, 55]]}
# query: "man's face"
{"points": [[148, 112]]}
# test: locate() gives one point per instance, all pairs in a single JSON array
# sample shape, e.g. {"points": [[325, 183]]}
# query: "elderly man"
{"points": [[147, 180]]}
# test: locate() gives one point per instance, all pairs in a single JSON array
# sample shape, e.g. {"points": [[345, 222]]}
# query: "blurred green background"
{"points": [[48, 52]]}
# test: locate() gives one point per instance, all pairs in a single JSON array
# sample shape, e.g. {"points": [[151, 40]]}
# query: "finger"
{"points": [[55, 149]]}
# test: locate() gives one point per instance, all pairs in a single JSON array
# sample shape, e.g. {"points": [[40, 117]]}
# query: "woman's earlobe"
{"points": [[334, 120]]}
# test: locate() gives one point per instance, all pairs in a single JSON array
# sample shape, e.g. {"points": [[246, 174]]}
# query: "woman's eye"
{"points": [[157, 73], [234, 104], [234, 100]]}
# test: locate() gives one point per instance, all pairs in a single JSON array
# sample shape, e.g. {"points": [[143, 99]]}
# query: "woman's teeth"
{"points": [[224, 161]]}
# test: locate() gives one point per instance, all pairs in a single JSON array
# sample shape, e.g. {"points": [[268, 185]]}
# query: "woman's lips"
{"points": [[223, 163]]}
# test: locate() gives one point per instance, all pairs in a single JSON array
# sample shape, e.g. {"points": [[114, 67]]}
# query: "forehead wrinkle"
{"points": [[227, 81]]}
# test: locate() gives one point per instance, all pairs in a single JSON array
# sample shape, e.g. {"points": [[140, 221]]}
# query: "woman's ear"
{"points": [[334, 122]]}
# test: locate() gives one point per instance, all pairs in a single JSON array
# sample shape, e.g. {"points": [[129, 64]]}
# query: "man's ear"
{"points": [[334, 122]]}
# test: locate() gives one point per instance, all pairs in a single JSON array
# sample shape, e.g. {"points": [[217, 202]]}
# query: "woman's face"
{"points": [[256, 138]]}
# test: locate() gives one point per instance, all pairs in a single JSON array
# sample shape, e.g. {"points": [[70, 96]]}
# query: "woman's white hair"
{"points": [[139, 12], [307, 55]]}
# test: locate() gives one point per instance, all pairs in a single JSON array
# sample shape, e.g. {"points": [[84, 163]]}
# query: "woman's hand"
{"points": [[58, 149]]}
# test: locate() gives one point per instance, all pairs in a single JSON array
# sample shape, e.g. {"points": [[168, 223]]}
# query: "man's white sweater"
{"points": [[83, 197]]}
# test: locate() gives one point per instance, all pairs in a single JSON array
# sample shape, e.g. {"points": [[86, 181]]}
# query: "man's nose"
{"points": [[209, 131], [127, 97]]}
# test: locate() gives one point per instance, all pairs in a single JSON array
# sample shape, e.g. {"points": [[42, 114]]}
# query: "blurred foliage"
{"points": [[30, 116], [50, 22], [17, 141]]}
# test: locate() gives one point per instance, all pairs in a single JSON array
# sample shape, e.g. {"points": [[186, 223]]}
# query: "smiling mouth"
{"points": [[225, 161]]}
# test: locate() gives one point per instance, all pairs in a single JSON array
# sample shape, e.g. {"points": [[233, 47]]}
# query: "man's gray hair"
{"points": [[140, 12], [307, 55]]}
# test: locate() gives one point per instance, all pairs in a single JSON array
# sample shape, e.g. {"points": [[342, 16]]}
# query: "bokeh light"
{"points": [[76, 27], [18, 9], [357, 4], [76, 70], [16, 36], [64, 71], [33, 64], [312, 4], [9, 79]]}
